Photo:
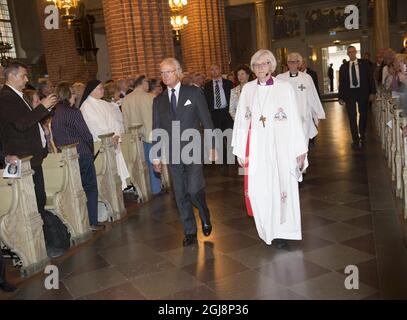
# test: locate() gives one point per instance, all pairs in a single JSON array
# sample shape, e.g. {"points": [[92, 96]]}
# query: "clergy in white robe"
{"points": [[269, 142], [308, 102], [100, 120]]}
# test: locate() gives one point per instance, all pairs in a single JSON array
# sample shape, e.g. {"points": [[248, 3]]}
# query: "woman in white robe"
{"points": [[269, 142], [98, 116]]}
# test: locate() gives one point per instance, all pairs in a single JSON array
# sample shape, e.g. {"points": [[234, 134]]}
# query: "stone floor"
{"points": [[349, 217]]}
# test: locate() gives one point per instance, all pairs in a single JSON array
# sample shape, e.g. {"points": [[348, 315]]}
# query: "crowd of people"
{"points": [[273, 117]]}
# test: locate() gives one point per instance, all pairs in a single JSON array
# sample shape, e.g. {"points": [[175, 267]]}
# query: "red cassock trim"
{"points": [[246, 177]]}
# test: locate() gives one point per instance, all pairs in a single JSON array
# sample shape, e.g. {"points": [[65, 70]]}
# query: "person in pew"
{"points": [[20, 125], [32, 97], [69, 127], [138, 109], [112, 97], [99, 120]]}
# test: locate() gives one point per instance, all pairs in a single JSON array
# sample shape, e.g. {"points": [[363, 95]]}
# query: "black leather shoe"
{"points": [[7, 287], [281, 243], [206, 229], [188, 240]]}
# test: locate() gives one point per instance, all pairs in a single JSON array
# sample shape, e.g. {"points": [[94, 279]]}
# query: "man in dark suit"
{"points": [[304, 68], [21, 131], [217, 93], [331, 77], [183, 107], [356, 85]]}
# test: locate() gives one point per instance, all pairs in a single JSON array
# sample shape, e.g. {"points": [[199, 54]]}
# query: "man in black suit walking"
{"points": [[21, 131], [356, 85], [217, 93], [177, 110], [331, 77], [312, 73]]}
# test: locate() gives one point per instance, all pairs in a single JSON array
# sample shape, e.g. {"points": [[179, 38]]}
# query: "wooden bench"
{"points": [[109, 183], [65, 195], [20, 222]]}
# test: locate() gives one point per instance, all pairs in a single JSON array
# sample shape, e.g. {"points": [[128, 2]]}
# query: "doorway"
{"points": [[334, 55]]}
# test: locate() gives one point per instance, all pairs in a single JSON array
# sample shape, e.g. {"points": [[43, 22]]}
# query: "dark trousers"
{"points": [[39, 188], [90, 186], [331, 84], [357, 131], [2, 269], [189, 188], [222, 120]]}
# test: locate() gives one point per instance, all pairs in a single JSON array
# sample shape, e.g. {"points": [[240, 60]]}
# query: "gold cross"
{"points": [[263, 119]]}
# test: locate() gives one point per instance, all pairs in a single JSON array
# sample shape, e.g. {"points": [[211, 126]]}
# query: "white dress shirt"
{"points": [[177, 88], [222, 93], [357, 73], [42, 134]]}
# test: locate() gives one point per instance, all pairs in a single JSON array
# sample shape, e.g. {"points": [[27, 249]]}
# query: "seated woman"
{"points": [[69, 127], [99, 119]]}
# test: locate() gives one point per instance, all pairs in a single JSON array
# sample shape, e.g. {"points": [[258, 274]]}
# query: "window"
{"points": [[5, 28]]}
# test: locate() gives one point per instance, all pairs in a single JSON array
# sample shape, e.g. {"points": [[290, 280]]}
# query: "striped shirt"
{"points": [[68, 127]]}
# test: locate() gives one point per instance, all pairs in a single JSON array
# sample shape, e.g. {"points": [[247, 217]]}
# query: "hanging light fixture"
{"points": [[66, 5], [278, 9], [178, 21], [177, 5]]}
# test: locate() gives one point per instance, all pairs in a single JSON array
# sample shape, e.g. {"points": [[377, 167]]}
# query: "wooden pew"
{"points": [[138, 166], [109, 183], [20, 222], [65, 195]]}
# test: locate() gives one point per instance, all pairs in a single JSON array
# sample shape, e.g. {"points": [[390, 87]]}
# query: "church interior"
{"points": [[353, 197]]}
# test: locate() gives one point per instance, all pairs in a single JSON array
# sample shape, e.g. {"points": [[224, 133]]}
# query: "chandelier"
{"points": [[278, 10], [178, 21], [66, 5], [176, 5]]}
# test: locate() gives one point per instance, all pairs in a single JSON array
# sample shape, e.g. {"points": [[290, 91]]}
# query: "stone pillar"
{"points": [[63, 61], [139, 36], [381, 24], [262, 25], [204, 40]]}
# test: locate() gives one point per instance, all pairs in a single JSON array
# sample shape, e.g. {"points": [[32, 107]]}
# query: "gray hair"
{"points": [[295, 56], [175, 63], [268, 54]]}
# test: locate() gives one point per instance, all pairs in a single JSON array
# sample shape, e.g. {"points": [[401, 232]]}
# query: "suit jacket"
{"points": [[192, 116], [19, 127], [137, 108], [314, 77], [210, 95], [367, 84]]}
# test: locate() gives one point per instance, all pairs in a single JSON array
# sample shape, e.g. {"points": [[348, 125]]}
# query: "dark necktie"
{"points": [[173, 103], [217, 96], [354, 77]]}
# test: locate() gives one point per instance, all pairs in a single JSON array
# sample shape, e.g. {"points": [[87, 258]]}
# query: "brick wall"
{"points": [[138, 35], [63, 61], [204, 39]]}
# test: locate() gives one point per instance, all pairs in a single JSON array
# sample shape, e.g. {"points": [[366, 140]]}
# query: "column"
{"points": [[204, 40], [63, 61], [139, 36], [262, 26], [381, 24]]}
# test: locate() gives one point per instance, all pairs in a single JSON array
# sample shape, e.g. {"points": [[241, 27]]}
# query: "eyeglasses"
{"points": [[167, 73], [293, 61], [261, 65]]}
